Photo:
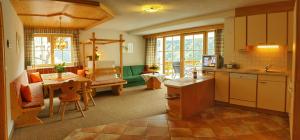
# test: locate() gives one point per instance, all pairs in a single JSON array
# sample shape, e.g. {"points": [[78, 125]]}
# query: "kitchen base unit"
{"points": [[188, 97]]}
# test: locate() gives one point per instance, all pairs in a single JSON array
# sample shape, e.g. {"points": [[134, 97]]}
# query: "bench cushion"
{"points": [[37, 96], [37, 101]]}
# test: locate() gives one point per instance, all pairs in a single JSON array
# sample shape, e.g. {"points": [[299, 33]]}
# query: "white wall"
{"points": [[111, 51], [14, 61]]}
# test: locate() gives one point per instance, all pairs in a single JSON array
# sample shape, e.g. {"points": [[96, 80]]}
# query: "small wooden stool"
{"points": [[69, 95]]}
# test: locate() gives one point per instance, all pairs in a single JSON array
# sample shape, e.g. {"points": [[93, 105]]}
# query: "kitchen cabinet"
{"points": [[240, 33], [290, 30], [256, 29], [271, 92], [243, 89], [277, 28], [222, 86]]}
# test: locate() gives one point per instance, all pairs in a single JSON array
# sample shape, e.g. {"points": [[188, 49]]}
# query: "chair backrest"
{"points": [[176, 67], [70, 87]]}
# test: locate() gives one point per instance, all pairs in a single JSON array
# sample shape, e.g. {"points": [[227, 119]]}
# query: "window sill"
{"points": [[48, 67]]}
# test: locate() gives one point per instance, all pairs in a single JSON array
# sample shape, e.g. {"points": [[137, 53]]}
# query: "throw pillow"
{"points": [[26, 93], [35, 77]]}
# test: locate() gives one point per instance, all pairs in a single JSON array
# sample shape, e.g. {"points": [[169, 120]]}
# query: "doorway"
{"points": [[3, 114]]}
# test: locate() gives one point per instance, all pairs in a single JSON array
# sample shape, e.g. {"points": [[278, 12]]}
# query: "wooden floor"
{"points": [[215, 123]]}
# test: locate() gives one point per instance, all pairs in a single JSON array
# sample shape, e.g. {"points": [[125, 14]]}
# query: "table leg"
{"points": [[85, 97], [51, 92]]}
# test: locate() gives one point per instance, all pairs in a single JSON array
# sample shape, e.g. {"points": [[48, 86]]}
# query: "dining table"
{"points": [[51, 82]]}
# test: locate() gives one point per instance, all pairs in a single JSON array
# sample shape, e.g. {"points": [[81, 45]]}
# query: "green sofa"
{"points": [[132, 74]]}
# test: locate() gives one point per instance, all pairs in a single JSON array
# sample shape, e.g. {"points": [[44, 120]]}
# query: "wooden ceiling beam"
{"points": [[84, 2], [59, 14]]}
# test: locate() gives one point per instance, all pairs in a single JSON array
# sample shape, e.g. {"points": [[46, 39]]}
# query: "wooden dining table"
{"points": [[52, 83]]}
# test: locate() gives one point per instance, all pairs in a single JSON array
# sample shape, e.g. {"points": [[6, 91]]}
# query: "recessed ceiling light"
{"points": [[152, 8]]}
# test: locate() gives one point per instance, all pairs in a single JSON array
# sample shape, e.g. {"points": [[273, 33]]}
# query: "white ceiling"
{"points": [[177, 14]]}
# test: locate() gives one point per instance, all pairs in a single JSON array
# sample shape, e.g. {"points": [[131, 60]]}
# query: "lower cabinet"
{"points": [[222, 86], [271, 92]]}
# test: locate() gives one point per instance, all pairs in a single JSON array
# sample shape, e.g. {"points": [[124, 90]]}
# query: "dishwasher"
{"points": [[243, 89]]}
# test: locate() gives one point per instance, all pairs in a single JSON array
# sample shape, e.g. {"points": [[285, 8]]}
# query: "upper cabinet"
{"points": [[256, 30], [240, 25], [290, 30], [264, 29], [277, 29]]}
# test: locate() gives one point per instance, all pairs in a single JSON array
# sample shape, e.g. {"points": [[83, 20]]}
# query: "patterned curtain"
{"points": [[150, 51], [29, 49], [219, 42]]}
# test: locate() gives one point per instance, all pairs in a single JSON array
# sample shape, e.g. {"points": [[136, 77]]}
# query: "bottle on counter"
{"points": [[195, 73]]}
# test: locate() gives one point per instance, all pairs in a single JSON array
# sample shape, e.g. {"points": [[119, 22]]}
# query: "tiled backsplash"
{"points": [[258, 58]]}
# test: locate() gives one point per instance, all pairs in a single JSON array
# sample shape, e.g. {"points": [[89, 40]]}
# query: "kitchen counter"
{"points": [[182, 82], [250, 71]]}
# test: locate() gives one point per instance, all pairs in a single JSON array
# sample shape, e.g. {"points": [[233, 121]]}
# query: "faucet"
{"points": [[267, 67]]}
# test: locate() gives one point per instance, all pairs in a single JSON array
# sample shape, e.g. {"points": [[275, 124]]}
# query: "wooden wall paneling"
{"points": [[75, 14], [3, 114], [296, 110], [264, 8]]}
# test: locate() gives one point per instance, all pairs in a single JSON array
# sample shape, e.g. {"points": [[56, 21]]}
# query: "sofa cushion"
{"points": [[26, 93], [136, 78], [137, 69], [127, 71]]}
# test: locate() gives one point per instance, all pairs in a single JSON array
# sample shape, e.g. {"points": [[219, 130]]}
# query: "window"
{"points": [[159, 54], [194, 46], [45, 52], [211, 43], [172, 54], [193, 51]]}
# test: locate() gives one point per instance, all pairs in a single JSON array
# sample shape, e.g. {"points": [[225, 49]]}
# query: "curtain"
{"points": [[29, 49], [150, 51], [219, 42]]}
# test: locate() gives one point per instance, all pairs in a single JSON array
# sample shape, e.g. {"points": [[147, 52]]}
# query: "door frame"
{"points": [[3, 115], [296, 110]]}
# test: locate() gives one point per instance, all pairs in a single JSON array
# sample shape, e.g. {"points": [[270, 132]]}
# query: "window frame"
{"points": [[182, 48], [51, 38]]}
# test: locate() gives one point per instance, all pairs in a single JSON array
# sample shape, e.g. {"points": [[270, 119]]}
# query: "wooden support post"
{"points": [[94, 55], [121, 55], [84, 57]]}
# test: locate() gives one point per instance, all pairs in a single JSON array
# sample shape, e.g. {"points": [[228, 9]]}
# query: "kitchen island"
{"points": [[187, 97]]}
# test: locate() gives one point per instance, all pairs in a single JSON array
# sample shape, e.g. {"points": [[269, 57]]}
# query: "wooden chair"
{"points": [[69, 95]]}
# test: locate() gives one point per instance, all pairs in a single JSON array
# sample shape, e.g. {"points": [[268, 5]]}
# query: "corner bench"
{"points": [[25, 113]]}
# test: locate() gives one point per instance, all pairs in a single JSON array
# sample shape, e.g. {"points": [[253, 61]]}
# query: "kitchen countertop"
{"points": [[182, 82], [251, 71]]}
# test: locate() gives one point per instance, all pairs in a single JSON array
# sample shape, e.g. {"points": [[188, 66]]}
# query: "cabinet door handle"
{"points": [[263, 82]]}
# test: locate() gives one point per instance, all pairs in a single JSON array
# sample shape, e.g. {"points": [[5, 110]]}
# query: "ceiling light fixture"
{"points": [[152, 8]]}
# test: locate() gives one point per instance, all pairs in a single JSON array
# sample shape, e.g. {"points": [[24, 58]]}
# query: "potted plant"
{"points": [[154, 68], [59, 68]]}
